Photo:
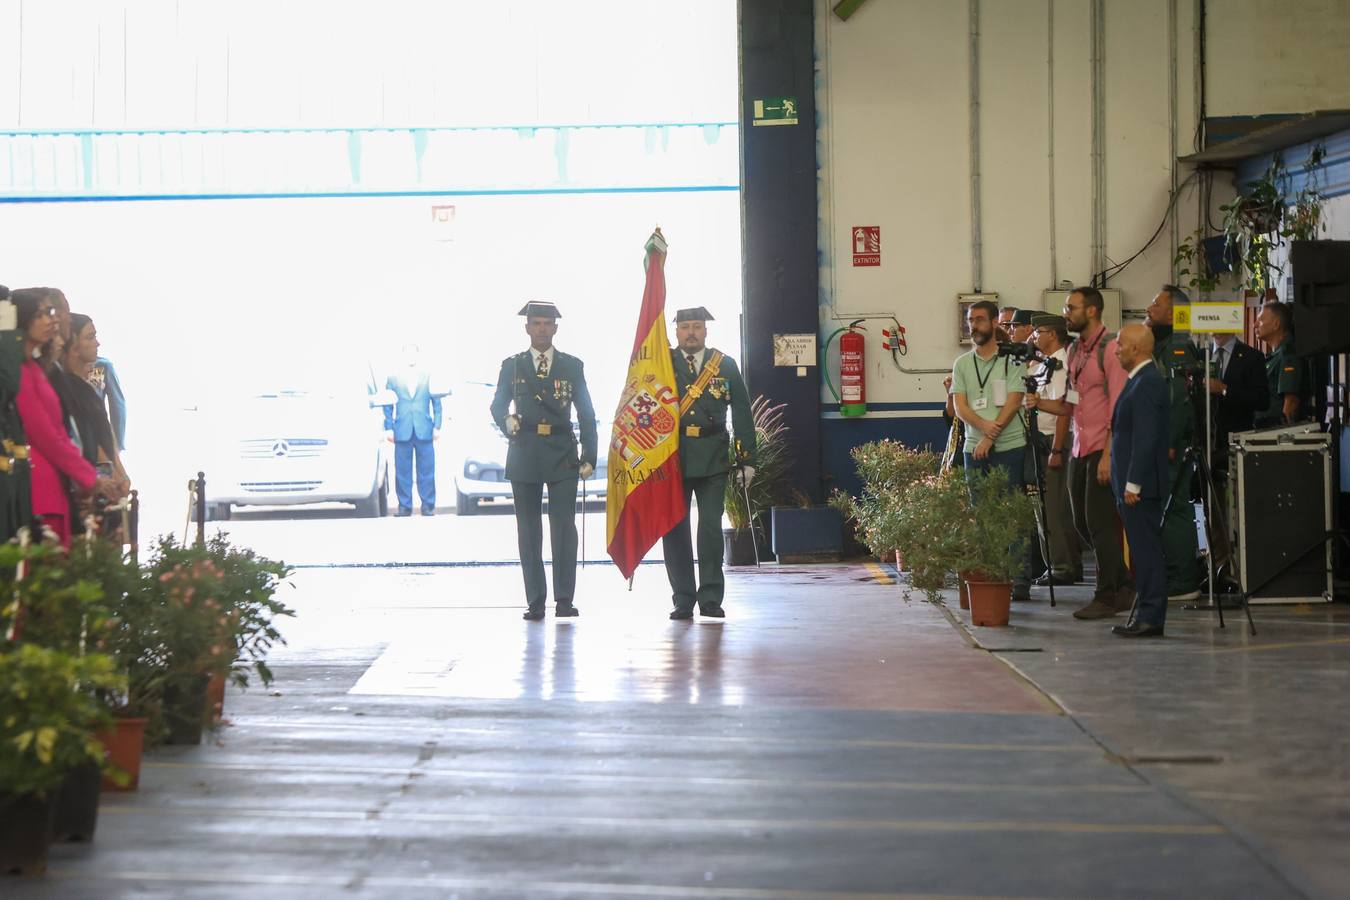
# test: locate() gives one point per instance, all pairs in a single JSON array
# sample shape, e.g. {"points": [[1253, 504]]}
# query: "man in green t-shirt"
{"points": [[987, 392]]}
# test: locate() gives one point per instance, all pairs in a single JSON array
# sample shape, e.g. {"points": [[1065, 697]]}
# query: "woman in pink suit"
{"points": [[54, 460]]}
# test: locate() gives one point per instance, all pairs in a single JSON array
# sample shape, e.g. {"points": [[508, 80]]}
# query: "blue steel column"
{"points": [[779, 218]]}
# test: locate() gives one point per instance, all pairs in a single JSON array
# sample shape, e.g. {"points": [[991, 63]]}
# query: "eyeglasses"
{"points": [[49, 311]]}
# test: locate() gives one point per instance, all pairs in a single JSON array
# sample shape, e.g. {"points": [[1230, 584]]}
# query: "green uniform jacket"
{"points": [[1176, 357], [1284, 375], [710, 454], [533, 457]]}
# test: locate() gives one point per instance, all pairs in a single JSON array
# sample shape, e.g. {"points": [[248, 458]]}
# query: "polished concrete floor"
{"points": [[830, 739]]}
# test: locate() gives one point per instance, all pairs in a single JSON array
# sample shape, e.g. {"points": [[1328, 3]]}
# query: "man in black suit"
{"points": [[1139, 442], [1238, 393]]}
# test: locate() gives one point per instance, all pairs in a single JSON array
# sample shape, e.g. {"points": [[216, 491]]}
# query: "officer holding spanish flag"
{"points": [[709, 385]]}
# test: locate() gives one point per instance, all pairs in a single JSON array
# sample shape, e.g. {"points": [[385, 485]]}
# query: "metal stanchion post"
{"points": [[201, 509]]}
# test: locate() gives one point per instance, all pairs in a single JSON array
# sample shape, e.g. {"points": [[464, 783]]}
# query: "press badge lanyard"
{"points": [[1081, 357], [982, 381]]}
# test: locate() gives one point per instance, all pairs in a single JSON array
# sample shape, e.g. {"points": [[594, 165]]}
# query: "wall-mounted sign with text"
{"points": [[866, 245]]}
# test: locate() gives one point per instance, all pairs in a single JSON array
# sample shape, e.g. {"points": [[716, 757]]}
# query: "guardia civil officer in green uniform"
{"points": [[1284, 371], [1178, 359], [709, 385], [536, 391]]}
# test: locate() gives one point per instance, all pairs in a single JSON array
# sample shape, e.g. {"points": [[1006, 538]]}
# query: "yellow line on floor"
{"points": [[1289, 645], [880, 574], [387, 728], [443, 883], [701, 824], [537, 776]]}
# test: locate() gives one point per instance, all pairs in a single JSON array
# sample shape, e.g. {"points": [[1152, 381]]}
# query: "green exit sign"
{"points": [[775, 111]]}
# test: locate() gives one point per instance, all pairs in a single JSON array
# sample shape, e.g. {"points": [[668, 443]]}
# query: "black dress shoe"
{"points": [[1137, 629], [403, 511], [566, 611], [681, 613], [534, 615], [713, 612], [1047, 580]]}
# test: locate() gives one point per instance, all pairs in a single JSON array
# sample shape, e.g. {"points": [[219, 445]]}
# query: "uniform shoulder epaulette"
{"points": [[558, 354]]}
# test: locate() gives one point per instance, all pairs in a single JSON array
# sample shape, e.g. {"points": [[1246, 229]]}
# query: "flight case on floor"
{"points": [[1280, 482]]}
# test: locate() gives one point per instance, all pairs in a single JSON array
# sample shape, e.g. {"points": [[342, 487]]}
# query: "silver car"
{"points": [[479, 449]]}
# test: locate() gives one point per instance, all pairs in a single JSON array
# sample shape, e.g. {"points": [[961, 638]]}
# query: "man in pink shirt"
{"points": [[1095, 382]]}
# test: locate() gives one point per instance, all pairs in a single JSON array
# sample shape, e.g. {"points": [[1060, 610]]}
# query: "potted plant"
{"points": [[887, 469], [992, 541], [250, 585], [59, 605], [1256, 224], [49, 713], [771, 462], [213, 607]]}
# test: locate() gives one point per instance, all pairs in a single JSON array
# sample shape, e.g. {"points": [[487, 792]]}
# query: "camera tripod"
{"points": [[1194, 461], [1032, 429], [1219, 556]]}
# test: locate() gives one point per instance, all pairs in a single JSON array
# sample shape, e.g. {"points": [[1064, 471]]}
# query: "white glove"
{"points": [[586, 471], [747, 475], [512, 425]]}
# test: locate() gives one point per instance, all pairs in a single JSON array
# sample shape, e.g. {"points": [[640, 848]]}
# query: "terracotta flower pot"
{"points": [[215, 696], [123, 746], [990, 602], [963, 591]]}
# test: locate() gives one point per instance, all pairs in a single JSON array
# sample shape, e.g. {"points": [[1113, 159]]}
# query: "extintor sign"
{"points": [[866, 245]]}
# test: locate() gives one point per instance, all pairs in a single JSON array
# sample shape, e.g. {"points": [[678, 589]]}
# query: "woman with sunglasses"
{"points": [[54, 460]]}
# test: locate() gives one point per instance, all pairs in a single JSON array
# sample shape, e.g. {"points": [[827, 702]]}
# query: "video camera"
{"points": [[1024, 353]]}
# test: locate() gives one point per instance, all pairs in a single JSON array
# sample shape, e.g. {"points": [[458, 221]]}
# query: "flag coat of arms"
{"points": [[646, 492]]}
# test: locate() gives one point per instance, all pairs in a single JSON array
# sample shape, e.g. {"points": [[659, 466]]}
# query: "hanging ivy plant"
{"points": [[1256, 225]]}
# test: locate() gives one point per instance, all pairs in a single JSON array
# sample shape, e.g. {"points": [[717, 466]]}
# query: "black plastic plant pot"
{"points": [[185, 709], [77, 805], [25, 833]]}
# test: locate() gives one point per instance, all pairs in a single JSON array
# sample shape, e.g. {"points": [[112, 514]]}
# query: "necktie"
{"points": [[542, 369], [1218, 358], [693, 370]]}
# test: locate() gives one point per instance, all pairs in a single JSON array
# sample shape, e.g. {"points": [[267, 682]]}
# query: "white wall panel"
{"points": [[1266, 57]]}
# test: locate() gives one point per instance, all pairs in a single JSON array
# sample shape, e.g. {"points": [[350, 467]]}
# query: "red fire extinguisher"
{"points": [[852, 393]]}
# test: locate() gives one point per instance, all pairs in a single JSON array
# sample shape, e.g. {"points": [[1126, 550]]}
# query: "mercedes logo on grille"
{"points": [[281, 448]]}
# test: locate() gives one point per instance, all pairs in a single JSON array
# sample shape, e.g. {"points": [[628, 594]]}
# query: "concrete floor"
{"points": [[829, 740]]}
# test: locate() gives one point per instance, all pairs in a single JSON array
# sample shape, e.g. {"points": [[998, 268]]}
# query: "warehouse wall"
{"points": [[1265, 57], [894, 150]]}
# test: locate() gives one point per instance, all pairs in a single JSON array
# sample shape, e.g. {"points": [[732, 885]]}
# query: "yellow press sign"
{"points": [[1209, 318]]}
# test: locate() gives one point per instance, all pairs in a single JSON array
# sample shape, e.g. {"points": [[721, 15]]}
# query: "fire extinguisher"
{"points": [[852, 393]]}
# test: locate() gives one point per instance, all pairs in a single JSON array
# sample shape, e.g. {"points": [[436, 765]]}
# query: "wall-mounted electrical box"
{"points": [[1053, 301]]}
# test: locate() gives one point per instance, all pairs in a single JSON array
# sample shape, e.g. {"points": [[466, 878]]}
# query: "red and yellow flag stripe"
{"points": [[646, 493]]}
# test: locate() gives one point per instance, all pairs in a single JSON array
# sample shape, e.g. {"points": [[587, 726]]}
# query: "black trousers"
{"points": [[562, 529]]}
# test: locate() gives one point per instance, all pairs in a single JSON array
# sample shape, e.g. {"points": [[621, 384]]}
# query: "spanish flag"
{"points": [[646, 493]]}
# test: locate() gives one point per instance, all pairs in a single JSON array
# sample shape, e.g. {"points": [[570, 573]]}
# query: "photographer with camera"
{"points": [[987, 394], [1060, 546]]}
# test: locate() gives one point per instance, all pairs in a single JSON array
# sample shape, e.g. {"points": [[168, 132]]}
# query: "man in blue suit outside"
{"points": [[414, 424], [1139, 441]]}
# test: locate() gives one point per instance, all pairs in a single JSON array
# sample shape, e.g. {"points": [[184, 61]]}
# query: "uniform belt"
{"points": [[546, 429], [704, 430]]}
